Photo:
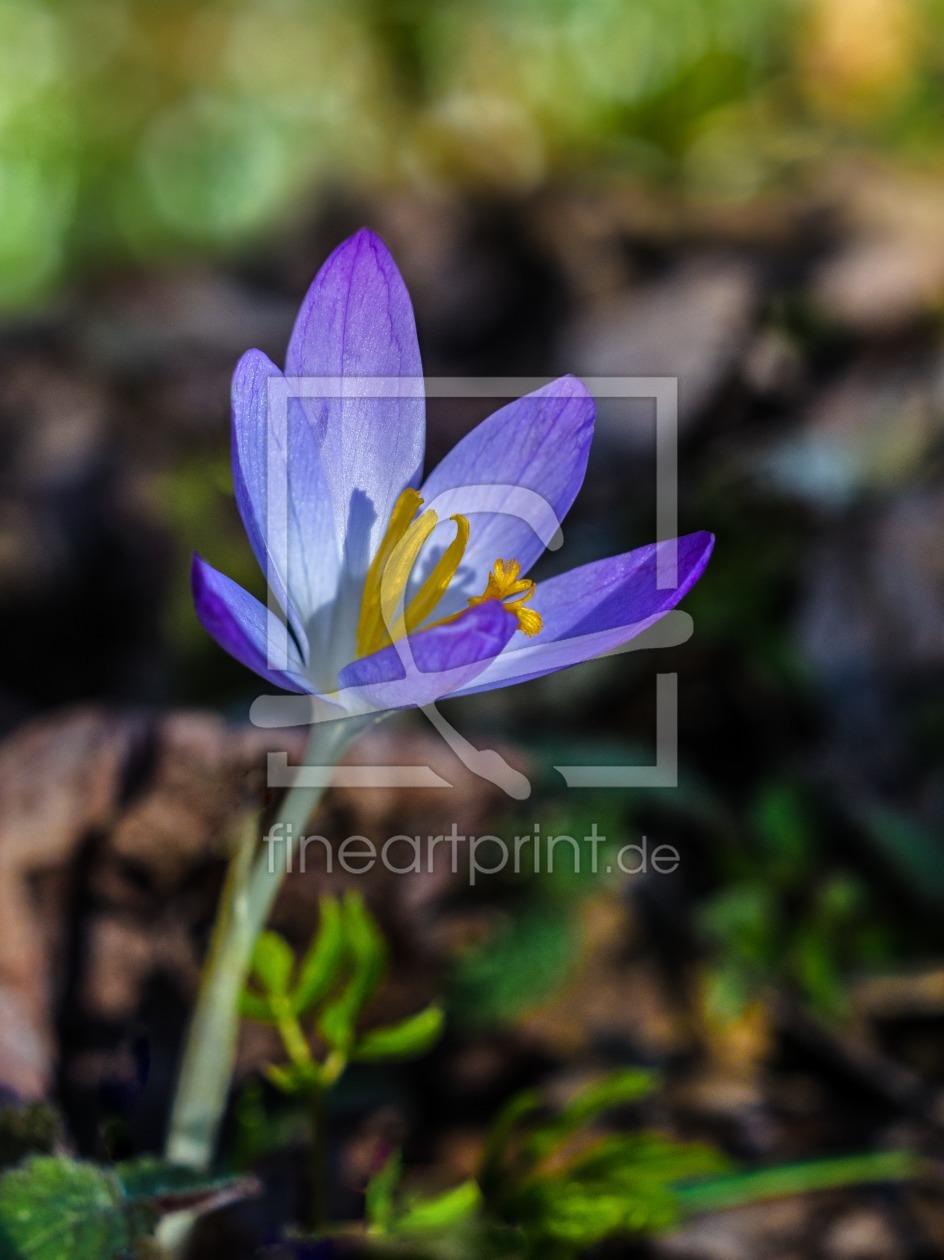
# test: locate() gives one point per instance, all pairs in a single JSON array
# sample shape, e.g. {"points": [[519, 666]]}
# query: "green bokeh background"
{"points": [[133, 127]]}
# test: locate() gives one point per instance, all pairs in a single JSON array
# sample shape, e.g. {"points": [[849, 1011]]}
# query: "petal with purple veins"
{"points": [[428, 664], [356, 323], [281, 491], [595, 609], [245, 628], [515, 476]]}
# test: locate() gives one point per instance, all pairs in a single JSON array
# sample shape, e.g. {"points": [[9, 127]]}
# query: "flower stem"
{"points": [[250, 890]]}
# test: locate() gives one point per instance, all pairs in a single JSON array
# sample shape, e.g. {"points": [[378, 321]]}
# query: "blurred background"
{"points": [[748, 194]]}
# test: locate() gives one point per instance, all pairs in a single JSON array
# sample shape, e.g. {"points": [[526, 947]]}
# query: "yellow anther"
{"points": [[504, 584]]}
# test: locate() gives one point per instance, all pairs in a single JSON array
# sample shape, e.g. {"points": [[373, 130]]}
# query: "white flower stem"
{"points": [[250, 890]]}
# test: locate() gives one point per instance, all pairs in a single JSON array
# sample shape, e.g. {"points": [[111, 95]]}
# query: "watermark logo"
{"points": [[288, 398], [534, 852]]}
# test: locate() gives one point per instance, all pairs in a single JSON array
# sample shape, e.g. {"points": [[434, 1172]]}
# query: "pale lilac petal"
{"points": [[281, 492], [429, 664], [245, 628], [357, 322], [515, 476], [595, 609], [249, 411]]}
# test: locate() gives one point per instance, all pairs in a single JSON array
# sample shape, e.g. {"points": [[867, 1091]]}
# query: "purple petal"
{"points": [[357, 322], [429, 664], [281, 491], [245, 628], [596, 608], [515, 476]]}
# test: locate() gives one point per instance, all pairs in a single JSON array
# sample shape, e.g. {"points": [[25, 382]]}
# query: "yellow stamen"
{"points": [[435, 586], [504, 583], [370, 625], [383, 619], [396, 576]]}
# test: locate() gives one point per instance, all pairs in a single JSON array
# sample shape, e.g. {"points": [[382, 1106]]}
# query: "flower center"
{"points": [[384, 617], [514, 592]]}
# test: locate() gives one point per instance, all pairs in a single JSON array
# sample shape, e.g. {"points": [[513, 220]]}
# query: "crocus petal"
{"points": [[515, 477], [281, 491], [429, 664], [244, 627], [356, 322], [595, 609]]}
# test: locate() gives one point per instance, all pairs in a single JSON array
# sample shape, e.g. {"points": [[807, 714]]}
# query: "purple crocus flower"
{"points": [[390, 591]]}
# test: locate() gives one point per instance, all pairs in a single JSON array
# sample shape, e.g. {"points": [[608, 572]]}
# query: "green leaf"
{"points": [[254, 1007], [292, 1078], [322, 962], [364, 939], [493, 1170], [170, 1186], [911, 851], [630, 1161], [580, 1216], [52, 1208], [729, 989], [784, 828], [444, 1211], [616, 1090], [380, 1194], [566, 1198], [412, 1036], [273, 962], [743, 922], [367, 954], [525, 961], [622, 1184], [814, 965], [757, 1185]]}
